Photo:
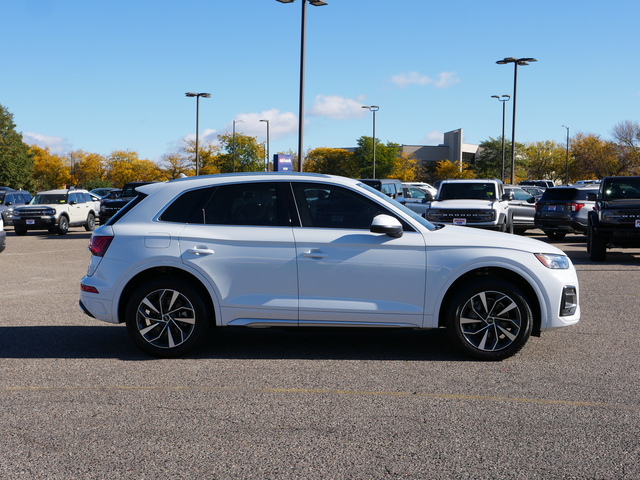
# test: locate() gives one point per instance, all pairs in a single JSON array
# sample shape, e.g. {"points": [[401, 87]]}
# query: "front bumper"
{"points": [[35, 223]]}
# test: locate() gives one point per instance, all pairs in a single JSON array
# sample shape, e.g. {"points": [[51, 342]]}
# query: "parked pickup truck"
{"points": [[615, 219]]}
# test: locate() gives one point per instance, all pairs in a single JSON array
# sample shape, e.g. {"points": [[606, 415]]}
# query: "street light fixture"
{"points": [[567, 166], [374, 109], [504, 104], [234, 144], [516, 62], [315, 3], [266, 163], [197, 95]]}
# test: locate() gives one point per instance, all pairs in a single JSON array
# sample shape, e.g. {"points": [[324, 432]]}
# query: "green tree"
{"points": [[385, 157], [332, 161], [16, 161], [249, 154]]}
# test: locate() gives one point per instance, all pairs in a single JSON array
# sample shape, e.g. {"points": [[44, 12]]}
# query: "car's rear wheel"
{"points": [[555, 235], [91, 223], [63, 225], [167, 317], [489, 318]]}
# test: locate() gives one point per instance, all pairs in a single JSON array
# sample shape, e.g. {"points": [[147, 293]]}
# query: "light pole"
{"points": [[315, 3], [234, 144], [266, 163], [374, 109], [197, 95], [504, 104], [516, 62], [567, 166]]}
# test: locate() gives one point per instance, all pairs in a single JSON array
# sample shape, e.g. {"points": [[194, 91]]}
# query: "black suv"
{"points": [[615, 219], [109, 208], [563, 210]]}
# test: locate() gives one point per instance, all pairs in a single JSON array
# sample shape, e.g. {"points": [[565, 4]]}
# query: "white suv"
{"points": [[474, 203], [56, 211], [262, 250]]}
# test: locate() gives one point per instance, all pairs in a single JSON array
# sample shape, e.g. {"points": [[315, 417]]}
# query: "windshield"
{"points": [[49, 199], [621, 188], [467, 191], [421, 220]]}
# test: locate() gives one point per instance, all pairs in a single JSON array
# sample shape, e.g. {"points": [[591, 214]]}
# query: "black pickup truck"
{"points": [[615, 219]]}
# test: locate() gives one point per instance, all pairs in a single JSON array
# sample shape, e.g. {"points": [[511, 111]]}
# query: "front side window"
{"points": [[332, 206]]}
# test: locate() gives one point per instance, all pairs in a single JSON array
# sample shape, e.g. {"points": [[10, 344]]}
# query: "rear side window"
{"points": [[257, 204], [188, 207]]}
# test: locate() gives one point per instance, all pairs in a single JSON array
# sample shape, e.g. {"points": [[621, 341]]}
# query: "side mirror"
{"points": [[506, 197], [387, 225], [531, 200], [427, 198]]}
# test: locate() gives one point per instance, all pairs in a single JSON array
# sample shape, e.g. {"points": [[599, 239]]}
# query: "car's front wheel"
{"points": [[63, 225], [167, 317], [489, 318], [596, 246]]}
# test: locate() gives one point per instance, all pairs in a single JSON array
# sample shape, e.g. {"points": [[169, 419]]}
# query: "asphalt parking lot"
{"points": [[79, 401]]}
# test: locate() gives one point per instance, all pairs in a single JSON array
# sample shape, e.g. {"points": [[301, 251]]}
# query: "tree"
{"points": [[244, 154], [447, 169], [124, 166], [594, 157], [88, 170], [175, 165], [627, 135], [16, 161], [332, 161], [405, 168], [51, 171], [385, 157], [545, 161]]}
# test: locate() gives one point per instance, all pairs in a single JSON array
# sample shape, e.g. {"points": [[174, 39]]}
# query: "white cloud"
{"points": [[281, 124], [435, 137], [337, 107], [56, 145], [444, 79]]}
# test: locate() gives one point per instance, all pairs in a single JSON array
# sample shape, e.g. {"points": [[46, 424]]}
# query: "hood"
{"points": [[455, 236], [462, 203]]}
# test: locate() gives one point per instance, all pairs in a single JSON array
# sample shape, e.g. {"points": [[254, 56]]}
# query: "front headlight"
{"points": [[607, 216], [554, 261]]}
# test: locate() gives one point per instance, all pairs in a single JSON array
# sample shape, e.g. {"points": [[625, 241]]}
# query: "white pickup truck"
{"points": [[474, 203]]}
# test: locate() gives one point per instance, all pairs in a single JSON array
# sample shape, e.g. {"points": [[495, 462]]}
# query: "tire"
{"points": [[489, 319], [63, 225], [554, 235], [167, 317], [91, 223], [596, 246], [20, 232]]}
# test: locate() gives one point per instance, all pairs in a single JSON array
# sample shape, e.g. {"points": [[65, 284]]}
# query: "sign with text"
{"points": [[282, 163]]}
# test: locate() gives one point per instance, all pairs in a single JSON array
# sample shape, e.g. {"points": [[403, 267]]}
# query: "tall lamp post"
{"points": [[266, 163], [516, 62], [315, 3], [567, 165], [504, 104], [374, 109], [197, 95], [234, 143]]}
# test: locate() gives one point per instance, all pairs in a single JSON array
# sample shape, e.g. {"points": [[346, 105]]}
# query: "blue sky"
{"points": [[111, 75]]}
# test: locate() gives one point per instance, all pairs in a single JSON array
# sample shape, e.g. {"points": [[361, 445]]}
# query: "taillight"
{"points": [[575, 207], [99, 244]]}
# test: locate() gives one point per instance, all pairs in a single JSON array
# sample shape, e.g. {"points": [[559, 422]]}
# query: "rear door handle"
{"points": [[314, 253], [200, 251]]}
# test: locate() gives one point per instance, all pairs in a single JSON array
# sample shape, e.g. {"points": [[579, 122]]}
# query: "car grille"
{"points": [[471, 216], [40, 212]]}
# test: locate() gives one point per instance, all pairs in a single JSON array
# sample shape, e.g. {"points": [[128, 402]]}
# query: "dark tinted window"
{"points": [[255, 204], [332, 206], [188, 207], [559, 194]]}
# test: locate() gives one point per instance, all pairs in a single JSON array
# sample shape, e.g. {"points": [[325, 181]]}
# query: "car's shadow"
{"points": [[110, 341]]}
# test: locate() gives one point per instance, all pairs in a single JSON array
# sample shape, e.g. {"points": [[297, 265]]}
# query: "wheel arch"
{"points": [[504, 274], [157, 272]]}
